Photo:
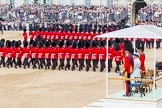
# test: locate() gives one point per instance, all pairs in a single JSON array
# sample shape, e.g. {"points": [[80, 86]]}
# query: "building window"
{"points": [[87, 2], [26, 1], [12, 3], [73, 2], [110, 2]]}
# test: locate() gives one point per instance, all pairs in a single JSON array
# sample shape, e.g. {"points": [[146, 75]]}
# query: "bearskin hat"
{"points": [[117, 40], [25, 43], [102, 43], [53, 44], [19, 41], [24, 29], [117, 47], [110, 43], [61, 44], [40, 44], [67, 43], [31, 41], [87, 44], [40, 29], [3, 40], [140, 46], [80, 45], [13, 43], [99, 30], [74, 45], [1, 44], [16, 44], [128, 46], [38, 38], [47, 44], [94, 44], [9, 43], [34, 44]]}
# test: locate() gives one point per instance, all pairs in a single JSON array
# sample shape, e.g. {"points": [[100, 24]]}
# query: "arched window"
{"points": [[87, 2], [12, 3], [110, 2], [26, 1]]}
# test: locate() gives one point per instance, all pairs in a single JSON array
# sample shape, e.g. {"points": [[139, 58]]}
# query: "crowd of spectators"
{"points": [[151, 14], [17, 18]]}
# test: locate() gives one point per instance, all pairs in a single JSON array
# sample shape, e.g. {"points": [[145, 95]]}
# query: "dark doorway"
{"points": [[138, 4], [35, 1]]}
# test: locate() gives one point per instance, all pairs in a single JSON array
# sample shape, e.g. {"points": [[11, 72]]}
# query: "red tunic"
{"points": [[31, 34], [54, 53], [26, 52], [18, 52], [47, 52], [102, 53], [25, 35], [61, 53], [74, 53], [41, 52], [127, 64], [9, 52], [3, 51], [88, 53], [110, 53], [68, 52], [34, 52], [142, 60], [118, 56], [81, 53], [95, 53]]}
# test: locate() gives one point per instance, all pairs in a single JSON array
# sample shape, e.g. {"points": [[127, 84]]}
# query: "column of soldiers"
{"points": [[48, 54]]}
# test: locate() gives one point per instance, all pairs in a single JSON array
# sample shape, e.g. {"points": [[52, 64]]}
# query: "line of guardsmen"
{"points": [[42, 52]]}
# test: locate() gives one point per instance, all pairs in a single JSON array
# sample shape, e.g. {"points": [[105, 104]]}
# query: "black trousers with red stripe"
{"points": [[67, 63], [18, 62], [95, 63], [9, 62], [81, 64], [26, 63], [54, 63], [74, 63], [2, 61], [48, 63]]}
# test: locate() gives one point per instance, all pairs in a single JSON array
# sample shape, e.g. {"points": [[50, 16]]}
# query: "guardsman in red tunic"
{"points": [[102, 56], [81, 54], [26, 53], [41, 54], [128, 62], [31, 34], [158, 43], [14, 55], [2, 53], [141, 57], [74, 55], [25, 35], [95, 55], [9, 53], [118, 57], [18, 53], [61, 55], [47, 55], [34, 52], [68, 54], [88, 55], [110, 56], [54, 54]]}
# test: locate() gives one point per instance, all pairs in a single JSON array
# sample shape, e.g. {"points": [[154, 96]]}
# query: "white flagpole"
{"points": [[154, 78], [107, 87]]}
